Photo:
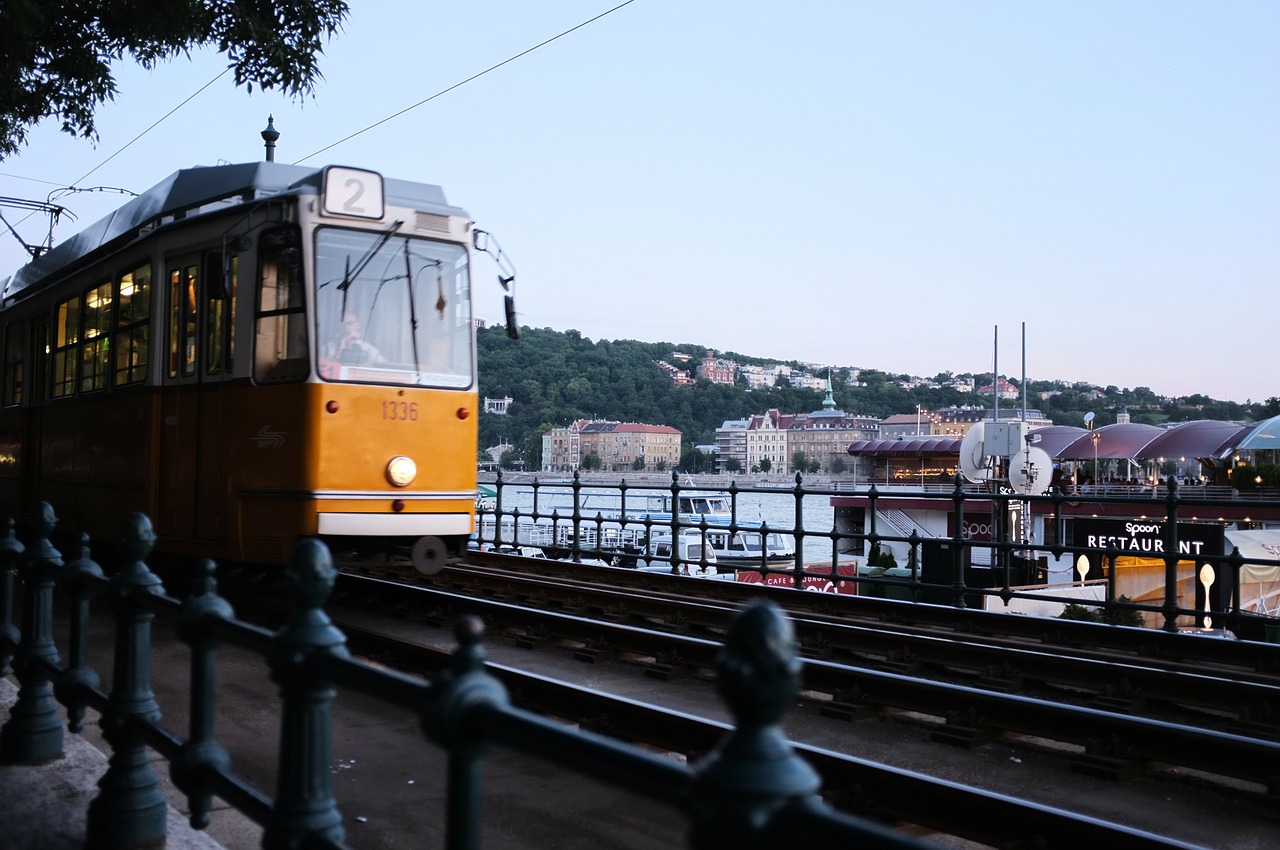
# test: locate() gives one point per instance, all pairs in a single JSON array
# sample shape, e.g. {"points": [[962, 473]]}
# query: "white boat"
{"points": [[749, 546], [620, 529], [687, 556]]}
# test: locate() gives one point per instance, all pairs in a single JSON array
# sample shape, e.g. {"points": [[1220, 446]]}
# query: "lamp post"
{"points": [[1093, 437]]}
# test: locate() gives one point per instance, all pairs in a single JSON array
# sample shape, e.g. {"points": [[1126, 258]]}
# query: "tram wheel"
{"points": [[429, 555]]}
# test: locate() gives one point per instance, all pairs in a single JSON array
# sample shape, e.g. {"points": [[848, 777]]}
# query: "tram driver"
{"points": [[352, 348]]}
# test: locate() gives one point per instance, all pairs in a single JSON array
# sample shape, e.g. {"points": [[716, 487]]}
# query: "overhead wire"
{"points": [[123, 148], [348, 138], [461, 83], [155, 124]]}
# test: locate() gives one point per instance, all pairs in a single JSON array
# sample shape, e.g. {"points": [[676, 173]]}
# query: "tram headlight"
{"points": [[401, 471]]}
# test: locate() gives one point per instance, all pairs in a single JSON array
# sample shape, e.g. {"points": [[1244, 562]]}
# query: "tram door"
{"points": [[193, 457], [38, 383]]}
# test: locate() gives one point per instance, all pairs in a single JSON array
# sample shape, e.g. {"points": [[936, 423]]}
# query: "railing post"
{"points": [[797, 533], [10, 552], [1170, 607], [33, 733], [756, 773], [454, 698], [81, 583], [304, 794], [1233, 563], [497, 508], [957, 545], [129, 810], [201, 753]]}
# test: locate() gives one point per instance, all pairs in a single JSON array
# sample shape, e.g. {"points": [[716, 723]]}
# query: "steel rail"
{"points": [[900, 795], [1247, 700], [1110, 738]]}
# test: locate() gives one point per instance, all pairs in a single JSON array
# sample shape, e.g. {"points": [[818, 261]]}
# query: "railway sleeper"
{"points": [[904, 662], [668, 668], [595, 651], [968, 737], [1108, 767], [532, 639], [849, 704], [1109, 758], [1004, 678]]}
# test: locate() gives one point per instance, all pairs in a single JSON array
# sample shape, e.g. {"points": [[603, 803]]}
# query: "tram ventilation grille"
{"points": [[430, 221], [271, 548]]}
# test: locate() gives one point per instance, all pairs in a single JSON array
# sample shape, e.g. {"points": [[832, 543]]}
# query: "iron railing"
{"points": [[1038, 563], [752, 791]]}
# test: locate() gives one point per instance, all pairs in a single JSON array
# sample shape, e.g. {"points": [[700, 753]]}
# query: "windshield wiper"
{"points": [[351, 274]]}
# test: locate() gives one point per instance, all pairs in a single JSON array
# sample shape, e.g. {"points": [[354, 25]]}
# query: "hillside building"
{"points": [[716, 370]]}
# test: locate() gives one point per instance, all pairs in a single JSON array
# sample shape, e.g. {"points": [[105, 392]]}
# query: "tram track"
{"points": [[601, 624], [1103, 743], [1226, 699]]}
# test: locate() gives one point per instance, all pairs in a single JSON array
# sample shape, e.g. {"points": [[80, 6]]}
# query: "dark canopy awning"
{"points": [[906, 447], [1122, 440], [1202, 439]]}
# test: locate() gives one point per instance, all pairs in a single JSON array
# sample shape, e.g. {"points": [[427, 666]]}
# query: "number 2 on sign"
{"points": [[401, 410]]}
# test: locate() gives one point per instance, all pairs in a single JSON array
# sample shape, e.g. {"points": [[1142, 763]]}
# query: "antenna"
{"points": [[975, 465], [1030, 471]]}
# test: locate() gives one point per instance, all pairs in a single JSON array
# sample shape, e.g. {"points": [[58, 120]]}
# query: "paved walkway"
{"points": [[44, 807]]}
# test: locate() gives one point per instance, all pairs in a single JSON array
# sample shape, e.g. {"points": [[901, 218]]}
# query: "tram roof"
{"points": [[185, 192]]}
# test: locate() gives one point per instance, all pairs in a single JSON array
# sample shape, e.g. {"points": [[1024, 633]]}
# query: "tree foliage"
{"points": [[55, 56], [554, 378]]}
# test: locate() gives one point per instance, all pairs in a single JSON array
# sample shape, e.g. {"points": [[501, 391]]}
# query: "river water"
{"points": [[776, 509]]}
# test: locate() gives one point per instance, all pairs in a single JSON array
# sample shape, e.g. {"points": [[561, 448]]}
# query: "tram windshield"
{"points": [[392, 309]]}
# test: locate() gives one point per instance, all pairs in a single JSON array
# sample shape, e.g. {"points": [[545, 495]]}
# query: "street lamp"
{"points": [[1093, 437]]}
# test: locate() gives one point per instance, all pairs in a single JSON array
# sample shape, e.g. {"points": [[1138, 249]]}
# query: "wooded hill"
{"points": [[555, 377]]}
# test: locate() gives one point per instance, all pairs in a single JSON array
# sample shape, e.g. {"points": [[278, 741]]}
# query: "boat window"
{"points": [[280, 344], [738, 543], [392, 309], [133, 326], [15, 351]]}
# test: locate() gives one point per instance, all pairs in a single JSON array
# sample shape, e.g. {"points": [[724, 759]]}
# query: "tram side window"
{"points": [[66, 339], [14, 360], [220, 313], [183, 289], [95, 351], [280, 349], [133, 326]]}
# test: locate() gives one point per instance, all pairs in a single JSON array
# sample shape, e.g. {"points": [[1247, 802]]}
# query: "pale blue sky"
{"points": [[862, 184]]}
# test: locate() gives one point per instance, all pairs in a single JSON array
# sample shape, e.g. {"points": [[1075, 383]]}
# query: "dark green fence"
{"points": [[752, 791], [1063, 529]]}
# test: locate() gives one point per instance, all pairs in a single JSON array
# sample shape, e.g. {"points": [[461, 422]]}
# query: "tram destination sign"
{"points": [[1146, 537], [353, 192]]}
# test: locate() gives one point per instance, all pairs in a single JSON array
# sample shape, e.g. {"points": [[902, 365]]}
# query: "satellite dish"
{"points": [[1030, 471], [973, 456]]}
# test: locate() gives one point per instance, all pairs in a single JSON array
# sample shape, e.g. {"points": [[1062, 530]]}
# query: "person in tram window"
{"points": [[352, 348]]}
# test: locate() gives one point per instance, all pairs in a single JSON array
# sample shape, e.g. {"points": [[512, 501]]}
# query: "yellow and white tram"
{"points": [[248, 354]]}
